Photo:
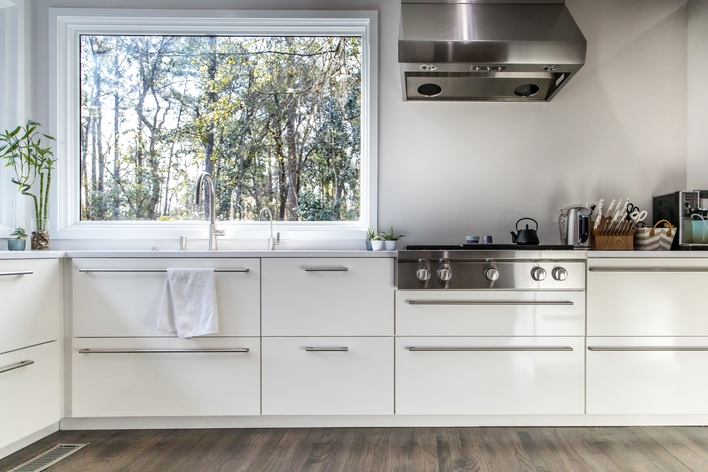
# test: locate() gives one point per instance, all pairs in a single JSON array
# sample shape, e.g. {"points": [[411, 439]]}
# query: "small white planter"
{"points": [[390, 245], [377, 245]]}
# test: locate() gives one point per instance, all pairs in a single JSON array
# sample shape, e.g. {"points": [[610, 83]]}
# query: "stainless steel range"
{"points": [[491, 267]]}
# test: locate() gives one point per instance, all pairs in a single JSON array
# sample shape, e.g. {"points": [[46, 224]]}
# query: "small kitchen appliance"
{"points": [[688, 211], [574, 226]]}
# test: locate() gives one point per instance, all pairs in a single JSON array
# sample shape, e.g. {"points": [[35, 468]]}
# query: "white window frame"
{"points": [[66, 26], [11, 104]]}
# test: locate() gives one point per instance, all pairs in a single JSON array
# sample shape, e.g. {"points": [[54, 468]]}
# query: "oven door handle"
{"points": [[491, 302]]}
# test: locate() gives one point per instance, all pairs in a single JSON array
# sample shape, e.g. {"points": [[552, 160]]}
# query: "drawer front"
{"points": [[328, 297], [30, 312], [630, 297], [490, 313], [112, 304], [648, 375], [489, 376], [114, 384], [325, 379], [30, 395]]}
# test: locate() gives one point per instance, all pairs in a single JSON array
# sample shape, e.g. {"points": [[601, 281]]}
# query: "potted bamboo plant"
{"points": [[17, 244], [33, 164]]}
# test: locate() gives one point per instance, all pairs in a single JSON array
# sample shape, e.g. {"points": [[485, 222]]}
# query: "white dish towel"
{"points": [[189, 306]]}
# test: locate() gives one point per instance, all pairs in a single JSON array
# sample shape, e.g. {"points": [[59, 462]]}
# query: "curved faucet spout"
{"points": [[271, 241], [198, 190]]}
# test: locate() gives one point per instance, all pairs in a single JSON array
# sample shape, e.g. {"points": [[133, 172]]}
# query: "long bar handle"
{"points": [[326, 349], [648, 269], [16, 272], [484, 348], [160, 351], [326, 269], [19, 365], [155, 270], [648, 348], [489, 302]]}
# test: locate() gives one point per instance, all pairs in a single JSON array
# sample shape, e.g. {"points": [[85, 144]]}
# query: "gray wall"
{"points": [[697, 159], [447, 170]]}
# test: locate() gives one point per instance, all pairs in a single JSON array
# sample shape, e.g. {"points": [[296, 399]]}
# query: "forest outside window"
{"points": [[279, 107], [275, 120]]}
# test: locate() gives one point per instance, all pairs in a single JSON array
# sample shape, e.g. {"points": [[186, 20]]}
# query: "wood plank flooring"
{"points": [[642, 449]]}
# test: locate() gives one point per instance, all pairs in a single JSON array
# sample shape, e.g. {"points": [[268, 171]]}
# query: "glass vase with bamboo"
{"points": [[33, 164]]}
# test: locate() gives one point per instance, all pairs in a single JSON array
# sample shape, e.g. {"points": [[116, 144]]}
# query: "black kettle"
{"points": [[525, 236]]}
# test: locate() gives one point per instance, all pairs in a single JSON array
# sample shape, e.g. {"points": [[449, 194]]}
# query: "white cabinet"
{"points": [[647, 297], [30, 393], [490, 313], [328, 376], [30, 302], [489, 375], [123, 297], [165, 377], [647, 336], [648, 375], [327, 297]]}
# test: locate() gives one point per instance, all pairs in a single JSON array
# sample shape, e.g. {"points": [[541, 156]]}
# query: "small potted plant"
{"points": [[370, 236], [390, 239], [17, 244]]}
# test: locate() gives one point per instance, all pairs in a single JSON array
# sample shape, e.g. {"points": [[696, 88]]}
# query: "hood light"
{"points": [[428, 67]]}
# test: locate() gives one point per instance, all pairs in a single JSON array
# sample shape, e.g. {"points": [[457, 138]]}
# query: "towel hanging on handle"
{"points": [[189, 306]]}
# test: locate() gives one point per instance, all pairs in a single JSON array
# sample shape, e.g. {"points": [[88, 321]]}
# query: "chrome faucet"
{"points": [[271, 242], [213, 232]]}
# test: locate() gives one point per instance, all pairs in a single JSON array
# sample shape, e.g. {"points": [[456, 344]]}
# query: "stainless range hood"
{"points": [[487, 50]]}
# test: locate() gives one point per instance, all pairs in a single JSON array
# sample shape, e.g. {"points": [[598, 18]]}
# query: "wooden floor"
{"points": [[382, 449]]}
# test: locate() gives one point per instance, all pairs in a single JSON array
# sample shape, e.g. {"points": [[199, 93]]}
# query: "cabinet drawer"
{"points": [[495, 376], [173, 383], [30, 312], [30, 395], [489, 313], [647, 375], [656, 297], [316, 376], [112, 304], [328, 297]]}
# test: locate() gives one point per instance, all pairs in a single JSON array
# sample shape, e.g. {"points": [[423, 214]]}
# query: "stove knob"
{"points": [[444, 274], [491, 274], [423, 274], [538, 274], [560, 274]]}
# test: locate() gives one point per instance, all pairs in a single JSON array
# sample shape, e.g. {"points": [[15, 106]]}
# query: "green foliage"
{"points": [[371, 234], [19, 233], [32, 163], [276, 121], [390, 236]]}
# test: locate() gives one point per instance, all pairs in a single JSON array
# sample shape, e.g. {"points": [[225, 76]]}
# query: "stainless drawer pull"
{"points": [[648, 269], [17, 272], [490, 302], [19, 365], [326, 349], [648, 348], [326, 269], [159, 351], [154, 270], [483, 348]]}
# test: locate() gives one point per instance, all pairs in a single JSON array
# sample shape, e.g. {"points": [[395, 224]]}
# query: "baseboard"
{"points": [[381, 421], [26, 441]]}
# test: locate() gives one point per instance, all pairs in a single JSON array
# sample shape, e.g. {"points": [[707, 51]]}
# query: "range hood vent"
{"points": [[487, 50]]}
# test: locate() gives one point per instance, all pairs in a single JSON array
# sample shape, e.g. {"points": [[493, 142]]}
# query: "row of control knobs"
{"points": [[492, 274]]}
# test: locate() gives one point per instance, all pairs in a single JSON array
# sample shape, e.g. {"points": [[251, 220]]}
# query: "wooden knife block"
{"points": [[615, 242]]}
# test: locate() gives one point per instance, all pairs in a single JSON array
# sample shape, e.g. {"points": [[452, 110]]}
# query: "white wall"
{"points": [[446, 170], [697, 159]]}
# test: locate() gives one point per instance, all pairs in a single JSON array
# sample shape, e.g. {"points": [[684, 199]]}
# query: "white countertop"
{"points": [[648, 254], [195, 254]]}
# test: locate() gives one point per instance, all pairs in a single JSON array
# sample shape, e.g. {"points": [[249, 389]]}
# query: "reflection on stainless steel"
{"points": [[492, 50]]}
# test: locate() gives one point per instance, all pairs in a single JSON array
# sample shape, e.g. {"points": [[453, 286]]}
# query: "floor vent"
{"points": [[48, 458]]}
